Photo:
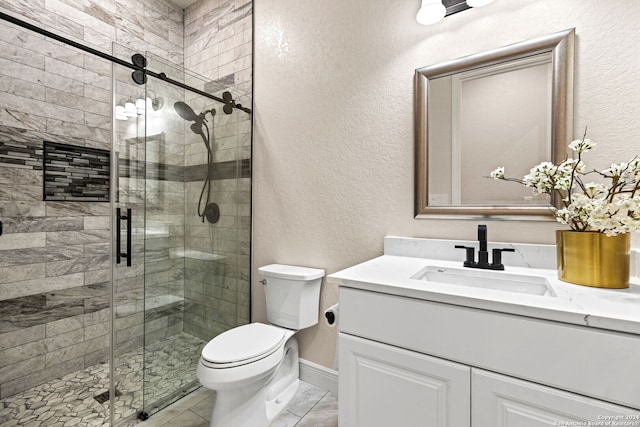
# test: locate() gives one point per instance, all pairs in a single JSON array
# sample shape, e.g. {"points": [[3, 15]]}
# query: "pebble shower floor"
{"points": [[78, 399]]}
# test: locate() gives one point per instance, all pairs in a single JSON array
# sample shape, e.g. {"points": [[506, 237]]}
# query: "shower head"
{"points": [[189, 115], [186, 112]]}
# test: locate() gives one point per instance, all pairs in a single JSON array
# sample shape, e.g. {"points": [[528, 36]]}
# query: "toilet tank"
{"points": [[292, 294]]}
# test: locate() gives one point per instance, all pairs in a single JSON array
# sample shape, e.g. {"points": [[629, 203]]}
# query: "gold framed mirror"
{"points": [[510, 107]]}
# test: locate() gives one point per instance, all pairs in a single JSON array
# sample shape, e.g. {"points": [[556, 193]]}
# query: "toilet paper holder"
{"points": [[331, 315]]}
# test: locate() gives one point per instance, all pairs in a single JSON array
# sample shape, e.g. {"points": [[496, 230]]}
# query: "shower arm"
{"points": [[138, 64]]}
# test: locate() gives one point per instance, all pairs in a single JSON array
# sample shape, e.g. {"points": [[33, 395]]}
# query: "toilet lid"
{"points": [[243, 343]]}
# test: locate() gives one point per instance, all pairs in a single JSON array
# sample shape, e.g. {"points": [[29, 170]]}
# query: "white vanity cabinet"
{"points": [[411, 362], [501, 401], [382, 385]]}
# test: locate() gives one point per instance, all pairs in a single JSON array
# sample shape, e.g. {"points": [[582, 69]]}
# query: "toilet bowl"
{"points": [[254, 367]]}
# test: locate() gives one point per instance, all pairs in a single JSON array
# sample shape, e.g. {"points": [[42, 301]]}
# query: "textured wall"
{"points": [[55, 276], [333, 151]]}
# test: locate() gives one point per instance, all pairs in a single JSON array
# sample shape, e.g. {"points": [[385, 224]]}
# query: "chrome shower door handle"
{"points": [[119, 253]]}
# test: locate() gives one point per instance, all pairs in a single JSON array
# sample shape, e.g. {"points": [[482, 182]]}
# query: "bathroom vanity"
{"points": [[426, 342]]}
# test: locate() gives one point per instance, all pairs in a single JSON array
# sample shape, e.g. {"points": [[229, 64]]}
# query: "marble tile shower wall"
{"points": [[218, 45], [54, 256]]}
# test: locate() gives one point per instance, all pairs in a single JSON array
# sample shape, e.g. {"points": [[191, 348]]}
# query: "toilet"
{"points": [[254, 367]]}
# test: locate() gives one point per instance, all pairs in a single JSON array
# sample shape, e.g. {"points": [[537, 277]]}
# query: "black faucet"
{"points": [[483, 254]]}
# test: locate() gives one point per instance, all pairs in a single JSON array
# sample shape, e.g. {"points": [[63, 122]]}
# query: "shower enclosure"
{"points": [[124, 239], [177, 203]]}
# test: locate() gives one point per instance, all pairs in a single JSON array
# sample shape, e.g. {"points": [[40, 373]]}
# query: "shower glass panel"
{"points": [[170, 352], [182, 188], [128, 216]]}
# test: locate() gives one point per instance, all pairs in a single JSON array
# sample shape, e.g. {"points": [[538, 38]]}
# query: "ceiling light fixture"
{"points": [[431, 12], [141, 105], [120, 113], [130, 109], [478, 3]]}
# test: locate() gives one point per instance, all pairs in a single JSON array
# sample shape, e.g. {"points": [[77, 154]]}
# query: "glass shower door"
{"points": [[191, 242], [178, 203], [128, 213], [170, 354]]}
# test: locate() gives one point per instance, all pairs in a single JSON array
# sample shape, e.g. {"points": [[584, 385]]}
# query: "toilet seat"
{"points": [[242, 345]]}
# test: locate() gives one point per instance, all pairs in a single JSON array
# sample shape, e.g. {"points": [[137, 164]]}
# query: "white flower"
{"points": [[634, 168], [540, 178], [498, 173], [565, 172], [615, 170], [593, 190], [612, 209], [582, 145]]}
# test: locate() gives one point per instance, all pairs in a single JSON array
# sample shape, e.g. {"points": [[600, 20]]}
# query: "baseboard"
{"points": [[319, 376]]}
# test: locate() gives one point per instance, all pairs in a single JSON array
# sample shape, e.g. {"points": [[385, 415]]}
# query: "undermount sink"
{"points": [[486, 279]]}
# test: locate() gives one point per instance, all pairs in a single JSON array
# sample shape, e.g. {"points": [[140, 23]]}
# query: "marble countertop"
{"points": [[612, 309]]}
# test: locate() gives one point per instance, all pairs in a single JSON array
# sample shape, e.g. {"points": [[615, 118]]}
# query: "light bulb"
{"points": [[140, 106], [431, 12], [130, 109], [120, 113], [478, 3]]}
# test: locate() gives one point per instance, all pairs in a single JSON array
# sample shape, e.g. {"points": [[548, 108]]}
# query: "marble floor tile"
{"points": [[203, 408], [286, 419], [305, 399], [323, 414], [317, 408], [186, 419]]}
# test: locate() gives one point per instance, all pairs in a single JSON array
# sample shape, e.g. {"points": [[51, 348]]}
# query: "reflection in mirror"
{"points": [[510, 107]]}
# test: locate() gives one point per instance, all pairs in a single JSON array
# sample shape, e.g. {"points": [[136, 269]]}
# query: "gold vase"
{"points": [[594, 259]]}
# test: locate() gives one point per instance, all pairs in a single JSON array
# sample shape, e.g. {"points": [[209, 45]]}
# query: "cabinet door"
{"points": [[382, 386], [501, 401]]}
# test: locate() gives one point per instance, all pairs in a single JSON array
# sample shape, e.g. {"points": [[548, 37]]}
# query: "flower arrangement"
{"points": [[611, 208]]}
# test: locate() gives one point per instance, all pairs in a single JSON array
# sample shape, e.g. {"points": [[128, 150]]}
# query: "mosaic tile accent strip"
{"points": [[75, 173], [150, 170], [16, 153], [163, 172], [220, 170]]}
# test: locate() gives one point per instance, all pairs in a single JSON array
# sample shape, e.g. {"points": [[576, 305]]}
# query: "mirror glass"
{"points": [[509, 107]]}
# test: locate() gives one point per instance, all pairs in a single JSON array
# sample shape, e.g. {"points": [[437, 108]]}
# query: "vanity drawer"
{"points": [[579, 359]]}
